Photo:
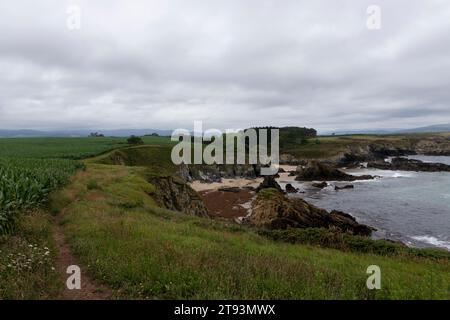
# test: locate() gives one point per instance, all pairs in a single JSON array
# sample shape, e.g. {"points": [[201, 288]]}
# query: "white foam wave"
{"points": [[434, 241], [402, 175]]}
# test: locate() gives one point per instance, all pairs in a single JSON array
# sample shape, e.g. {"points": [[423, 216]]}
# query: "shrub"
{"points": [[92, 184], [135, 140]]}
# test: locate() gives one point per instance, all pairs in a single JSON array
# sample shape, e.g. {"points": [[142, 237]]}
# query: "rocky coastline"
{"points": [[405, 164], [268, 206], [354, 154]]}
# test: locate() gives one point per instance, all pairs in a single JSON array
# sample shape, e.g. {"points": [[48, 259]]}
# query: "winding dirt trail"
{"points": [[90, 290]]}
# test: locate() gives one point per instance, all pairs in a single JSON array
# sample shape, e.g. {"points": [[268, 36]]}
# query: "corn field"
{"points": [[27, 183]]}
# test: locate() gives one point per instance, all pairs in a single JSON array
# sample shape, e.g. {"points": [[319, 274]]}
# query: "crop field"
{"points": [[66, 148], [26, 184], [31, 168]]}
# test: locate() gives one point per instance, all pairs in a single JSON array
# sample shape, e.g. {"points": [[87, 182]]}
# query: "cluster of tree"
{"points": [[96, 134], [135, 140], [154, 134], [290, 136]]}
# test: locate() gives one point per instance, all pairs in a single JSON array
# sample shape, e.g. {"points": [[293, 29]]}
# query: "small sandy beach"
{"points": [[232, 205]]}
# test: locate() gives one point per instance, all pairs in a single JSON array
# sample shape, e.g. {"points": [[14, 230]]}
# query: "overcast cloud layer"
{"points": [[231, 63]]}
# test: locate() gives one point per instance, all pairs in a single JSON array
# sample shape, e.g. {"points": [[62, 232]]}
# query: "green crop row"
{"points": [[26, 183]]}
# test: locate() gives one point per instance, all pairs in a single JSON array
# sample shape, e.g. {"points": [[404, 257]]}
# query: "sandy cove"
{"points": [[242, 182], [232, 205]]}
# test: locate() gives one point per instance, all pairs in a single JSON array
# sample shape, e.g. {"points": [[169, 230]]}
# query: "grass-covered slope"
{"points": [[330, 146], [143, 251]]}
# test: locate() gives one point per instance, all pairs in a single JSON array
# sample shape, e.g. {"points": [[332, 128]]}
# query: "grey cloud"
{"points": [[164, 64]]}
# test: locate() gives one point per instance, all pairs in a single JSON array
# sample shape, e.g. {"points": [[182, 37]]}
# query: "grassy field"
{"points": [[26, 183], [330, 146], [30, 169], [27, 258], [142, 251], [66, 148], [126, 241]]}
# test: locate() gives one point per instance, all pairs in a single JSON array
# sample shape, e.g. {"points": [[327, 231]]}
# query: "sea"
{"points": [[412, 207]]}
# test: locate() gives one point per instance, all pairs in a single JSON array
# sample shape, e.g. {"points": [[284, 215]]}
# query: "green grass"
{"points": [[31, 168], [115, 228], [67, 148], [27, 183], [143, 251], [157, 158], [330, 146], [335, 239], [26, 261]]}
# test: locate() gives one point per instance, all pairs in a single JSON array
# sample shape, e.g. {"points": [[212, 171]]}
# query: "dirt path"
{"points": [[90, 290]]}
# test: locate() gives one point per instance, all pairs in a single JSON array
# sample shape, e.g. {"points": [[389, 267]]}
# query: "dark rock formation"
{"points": [[435, 146], [273, 210], [269, 182], [291, 189], [347, 186], [319, 171], [320, 185], [409, 165], [215, 172], [174, 194], [376, 151], [291, 160]]}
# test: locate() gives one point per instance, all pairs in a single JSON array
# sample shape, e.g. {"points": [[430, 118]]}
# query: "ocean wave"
{"points": [[402, 175], [434, 241], [382, 173]]}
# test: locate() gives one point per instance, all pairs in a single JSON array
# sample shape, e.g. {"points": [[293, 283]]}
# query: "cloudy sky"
{"points": [[231, 63]]}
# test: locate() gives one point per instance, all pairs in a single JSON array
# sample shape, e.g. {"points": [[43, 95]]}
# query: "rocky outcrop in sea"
{"points": [[405, 164], [273, 210], [317, 171]]}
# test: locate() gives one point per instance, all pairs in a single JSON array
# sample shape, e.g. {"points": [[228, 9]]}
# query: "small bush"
{"points": [[135, 140], [92, 185]]}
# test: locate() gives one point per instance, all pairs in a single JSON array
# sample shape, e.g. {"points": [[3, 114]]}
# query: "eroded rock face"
{"points": [[405, 164], [215, 172], [291, 160], [269, 182], [174, 194], [318, 171], [291, 189], [438, 145], [372, 152], [273, 210]]}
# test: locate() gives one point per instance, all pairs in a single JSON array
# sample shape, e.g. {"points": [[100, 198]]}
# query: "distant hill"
{"points": [[362, 131], [81, 133], [433, 128]]}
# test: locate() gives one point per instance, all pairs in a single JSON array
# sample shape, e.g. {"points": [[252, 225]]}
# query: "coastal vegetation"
{"points": [[144, 251], [115, 206]]}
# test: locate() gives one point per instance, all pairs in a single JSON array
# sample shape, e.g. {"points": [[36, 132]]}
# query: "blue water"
{"points": [[413, 207]]}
